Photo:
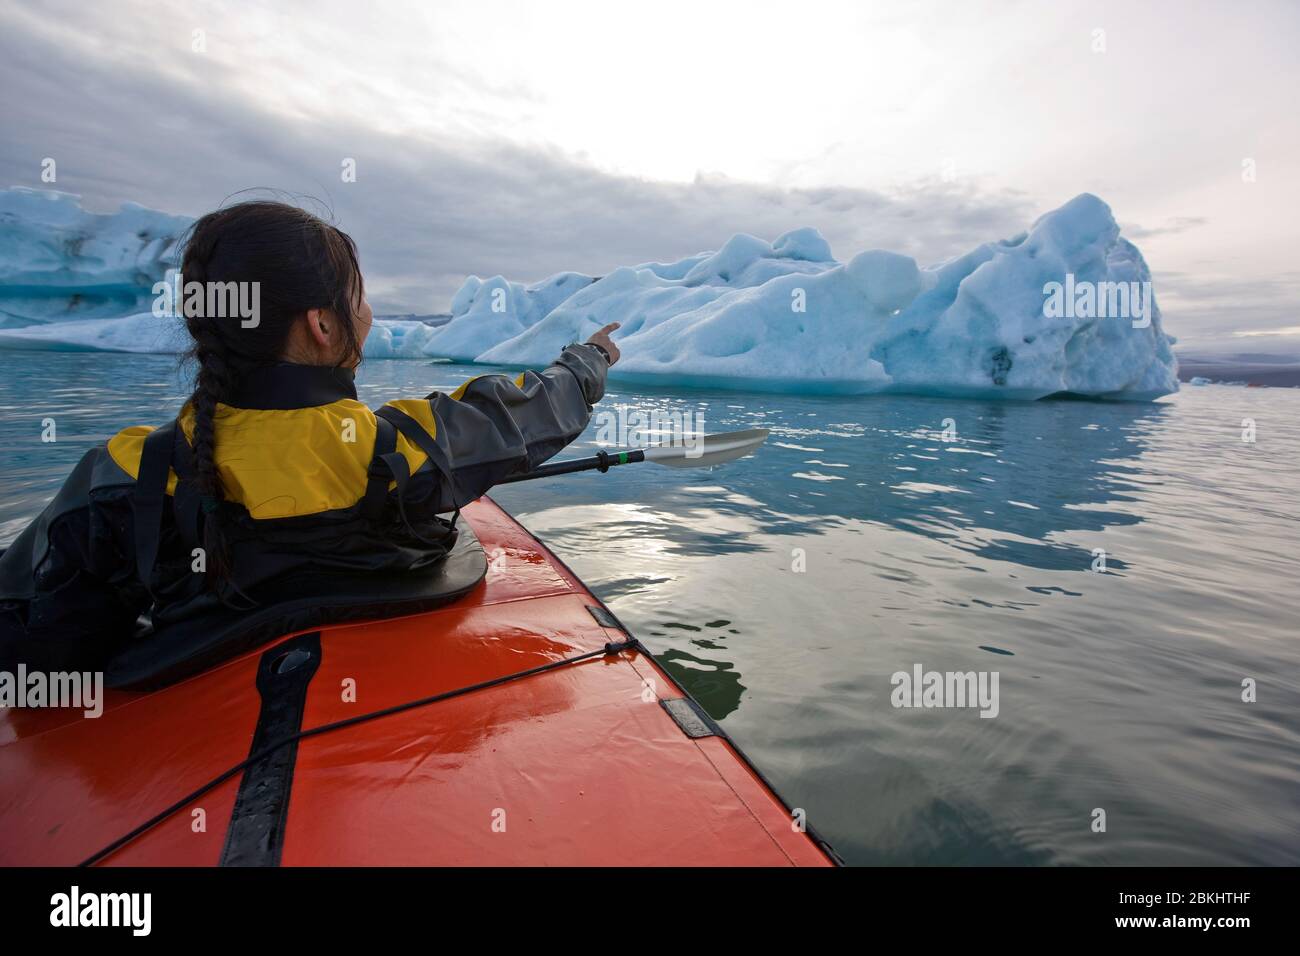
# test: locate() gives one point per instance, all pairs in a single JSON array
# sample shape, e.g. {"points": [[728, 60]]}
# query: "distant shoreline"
{"points": [[1283, 373]]}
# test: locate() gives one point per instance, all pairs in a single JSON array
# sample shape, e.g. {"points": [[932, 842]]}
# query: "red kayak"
{"points": [[517, 725]]}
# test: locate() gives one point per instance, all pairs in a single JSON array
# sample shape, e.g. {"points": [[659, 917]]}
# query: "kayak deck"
{"points": [[579, 765]]}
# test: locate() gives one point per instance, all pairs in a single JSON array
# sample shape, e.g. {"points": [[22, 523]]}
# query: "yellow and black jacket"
{"points": [[316, 484]]}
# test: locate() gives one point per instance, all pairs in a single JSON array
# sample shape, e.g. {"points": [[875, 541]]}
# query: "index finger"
{"points": [[610, 328]]}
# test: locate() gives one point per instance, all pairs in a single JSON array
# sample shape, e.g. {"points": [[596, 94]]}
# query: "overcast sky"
{"points": [[528, 138]]}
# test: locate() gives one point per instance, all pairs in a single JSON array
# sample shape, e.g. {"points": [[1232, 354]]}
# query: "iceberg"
{"points": [[787, 317], [781, 316], [59, 262], [143, 332], [147, 333], [496, 310]]}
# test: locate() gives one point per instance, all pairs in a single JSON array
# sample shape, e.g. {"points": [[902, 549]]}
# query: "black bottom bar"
{"points": [[972, 907]]}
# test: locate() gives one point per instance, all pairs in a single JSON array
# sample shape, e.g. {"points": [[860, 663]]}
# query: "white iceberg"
{"points": [[496, 310], [779, 316], [61, 263], [787, 317], [142, 332]]}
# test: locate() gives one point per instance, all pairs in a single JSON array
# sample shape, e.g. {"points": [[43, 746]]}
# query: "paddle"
{"points": [[705, 451]]}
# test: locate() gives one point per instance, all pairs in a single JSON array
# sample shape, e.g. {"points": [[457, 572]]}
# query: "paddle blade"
{"points": [[706, 450]]}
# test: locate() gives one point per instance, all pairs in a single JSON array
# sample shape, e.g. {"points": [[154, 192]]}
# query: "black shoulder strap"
{"points": [[387, 465], [150, 491], [380, 472], [415, 433], [185, 500]]}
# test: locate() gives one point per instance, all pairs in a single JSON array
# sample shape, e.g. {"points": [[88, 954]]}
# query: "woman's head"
{"points": [[311, 305], [310, 308]]}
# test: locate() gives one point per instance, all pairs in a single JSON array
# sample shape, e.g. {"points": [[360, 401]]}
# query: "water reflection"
{"points": [[715, 683], [1013, 477]]}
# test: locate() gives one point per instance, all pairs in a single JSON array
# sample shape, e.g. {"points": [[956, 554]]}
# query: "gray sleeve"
{"points": [[495, 425]]}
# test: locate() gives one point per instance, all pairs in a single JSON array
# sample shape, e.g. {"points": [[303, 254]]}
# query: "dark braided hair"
{"points": [[300, 262]]}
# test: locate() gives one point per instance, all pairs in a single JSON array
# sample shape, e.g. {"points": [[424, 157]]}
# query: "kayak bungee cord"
{"points": [[610, 649]]}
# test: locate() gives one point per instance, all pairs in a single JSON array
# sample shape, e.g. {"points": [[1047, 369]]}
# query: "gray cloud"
{"points": [[425, 214], [1213, 305], [1172, 226]]}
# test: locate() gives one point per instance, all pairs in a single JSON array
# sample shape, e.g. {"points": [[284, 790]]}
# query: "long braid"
{"points": [[213, 383]]}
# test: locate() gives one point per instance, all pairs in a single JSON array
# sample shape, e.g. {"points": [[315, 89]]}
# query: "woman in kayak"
{"points": [[272, 471]]}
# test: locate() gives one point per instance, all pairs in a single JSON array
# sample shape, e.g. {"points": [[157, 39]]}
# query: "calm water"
{"points": [[1118, 690]]}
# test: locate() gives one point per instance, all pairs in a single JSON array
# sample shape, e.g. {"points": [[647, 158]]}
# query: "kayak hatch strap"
{"points": [[255, 835], [610, 649]]}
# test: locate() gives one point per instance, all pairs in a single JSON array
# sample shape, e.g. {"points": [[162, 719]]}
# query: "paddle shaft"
{"points": [[601, 461]]}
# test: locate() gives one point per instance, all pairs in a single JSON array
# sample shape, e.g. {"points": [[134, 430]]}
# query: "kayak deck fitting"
{"points": [[602, 760]]}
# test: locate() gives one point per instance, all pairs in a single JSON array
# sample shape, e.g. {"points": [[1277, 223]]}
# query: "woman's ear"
{"points": [[320, 325]]}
